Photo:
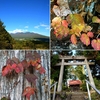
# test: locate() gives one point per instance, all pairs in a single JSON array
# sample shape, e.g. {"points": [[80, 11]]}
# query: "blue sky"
{"points": [[26, 15]]}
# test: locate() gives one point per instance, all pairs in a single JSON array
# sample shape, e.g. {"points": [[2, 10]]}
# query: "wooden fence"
{"points": [[43, 90]]}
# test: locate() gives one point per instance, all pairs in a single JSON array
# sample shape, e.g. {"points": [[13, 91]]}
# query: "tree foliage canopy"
{"points": [[5, 38]]}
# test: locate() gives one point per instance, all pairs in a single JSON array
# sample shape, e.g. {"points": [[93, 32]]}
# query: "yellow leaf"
{"points": [[77, 23]]}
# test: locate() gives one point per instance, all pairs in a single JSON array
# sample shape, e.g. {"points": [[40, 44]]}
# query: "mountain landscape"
{"points": [[29, 35]]}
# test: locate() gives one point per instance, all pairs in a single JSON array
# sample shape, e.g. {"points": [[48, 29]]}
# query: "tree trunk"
{"points": [[43, 91]]}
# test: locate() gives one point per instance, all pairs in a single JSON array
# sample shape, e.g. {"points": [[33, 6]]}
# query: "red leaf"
{"points": [[85, 39], [34, 63], [31, 78], [41, 70], [17, 70], [24, 64], [90, 34], [10, 62], [20, 66], [65, 23], [96, 44], [73, 39], [6, 69], [13, 66], [28, 92]]}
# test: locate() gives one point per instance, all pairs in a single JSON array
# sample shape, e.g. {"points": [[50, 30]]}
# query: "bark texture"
{"points": [[16, 93]]}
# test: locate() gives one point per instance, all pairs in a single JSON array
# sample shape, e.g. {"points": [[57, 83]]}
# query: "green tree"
{"points": [[5, 38]]}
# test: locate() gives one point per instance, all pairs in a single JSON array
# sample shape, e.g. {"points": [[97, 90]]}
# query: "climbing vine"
{"points": [[74, 23], [28, 67]]}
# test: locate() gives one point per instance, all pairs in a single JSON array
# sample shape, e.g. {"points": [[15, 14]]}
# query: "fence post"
{"points": [[88, 91], [54, 92]]}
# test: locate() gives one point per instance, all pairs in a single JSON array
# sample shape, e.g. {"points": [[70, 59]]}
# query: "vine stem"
{"points": [[98, 35]]}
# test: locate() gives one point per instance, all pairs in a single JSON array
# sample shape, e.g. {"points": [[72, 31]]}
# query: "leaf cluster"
{"points": [[31, 63]]}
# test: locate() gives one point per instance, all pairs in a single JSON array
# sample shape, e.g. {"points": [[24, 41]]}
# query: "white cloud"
{"points": [[26, 27], [36, 26], [42, 25], [17, 30]]}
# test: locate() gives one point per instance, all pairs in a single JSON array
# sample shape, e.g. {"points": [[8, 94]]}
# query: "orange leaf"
{"points": [[65, 23], [90, 34], [73, 39], [85, 39], [28, 92]]}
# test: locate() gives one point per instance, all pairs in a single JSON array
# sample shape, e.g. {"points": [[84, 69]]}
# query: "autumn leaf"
{"points": [[28, 91], [31, 78], [17, 70], [41, 70], [87, 28], [39, 66], [29, 56], [21, 67], [14, 66], [85, 39], [36, 56], [6, 69], [34, 63], [73, 39], [56, 10], [9, 61], [95, 19], [90, 34], [96, 44], [16, 60], [77, 23], [56, 22], [25, 64], [65, 23]]}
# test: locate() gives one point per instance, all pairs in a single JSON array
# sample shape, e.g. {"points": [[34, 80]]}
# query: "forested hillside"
{"points": [[22, 41], [5, 38]]}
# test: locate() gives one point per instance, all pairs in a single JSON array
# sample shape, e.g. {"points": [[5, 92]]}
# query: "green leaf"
{"points": [[95, 19]]}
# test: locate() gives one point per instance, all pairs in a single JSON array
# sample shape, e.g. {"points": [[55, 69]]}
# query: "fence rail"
{"points": [[54, 92], [89, 94]]}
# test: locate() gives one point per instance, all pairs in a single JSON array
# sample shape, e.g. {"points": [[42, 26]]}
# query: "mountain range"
{"points": [[29, 35]]}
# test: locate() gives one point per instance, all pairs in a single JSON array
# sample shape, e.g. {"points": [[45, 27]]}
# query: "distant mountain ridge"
{"points": [[28, 35]]}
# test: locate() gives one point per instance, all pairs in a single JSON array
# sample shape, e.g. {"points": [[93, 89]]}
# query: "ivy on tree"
{"points": [[31, 63]]}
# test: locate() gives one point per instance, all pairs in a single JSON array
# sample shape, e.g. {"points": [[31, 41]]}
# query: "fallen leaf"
{"points": [[90, 34], [73, 39], [95, 19], [96, 44], [65, 23], [85, 39]]}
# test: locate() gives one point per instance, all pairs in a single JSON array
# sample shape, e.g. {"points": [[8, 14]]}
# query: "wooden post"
{"points": [[61, 76], [89, 73]]}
